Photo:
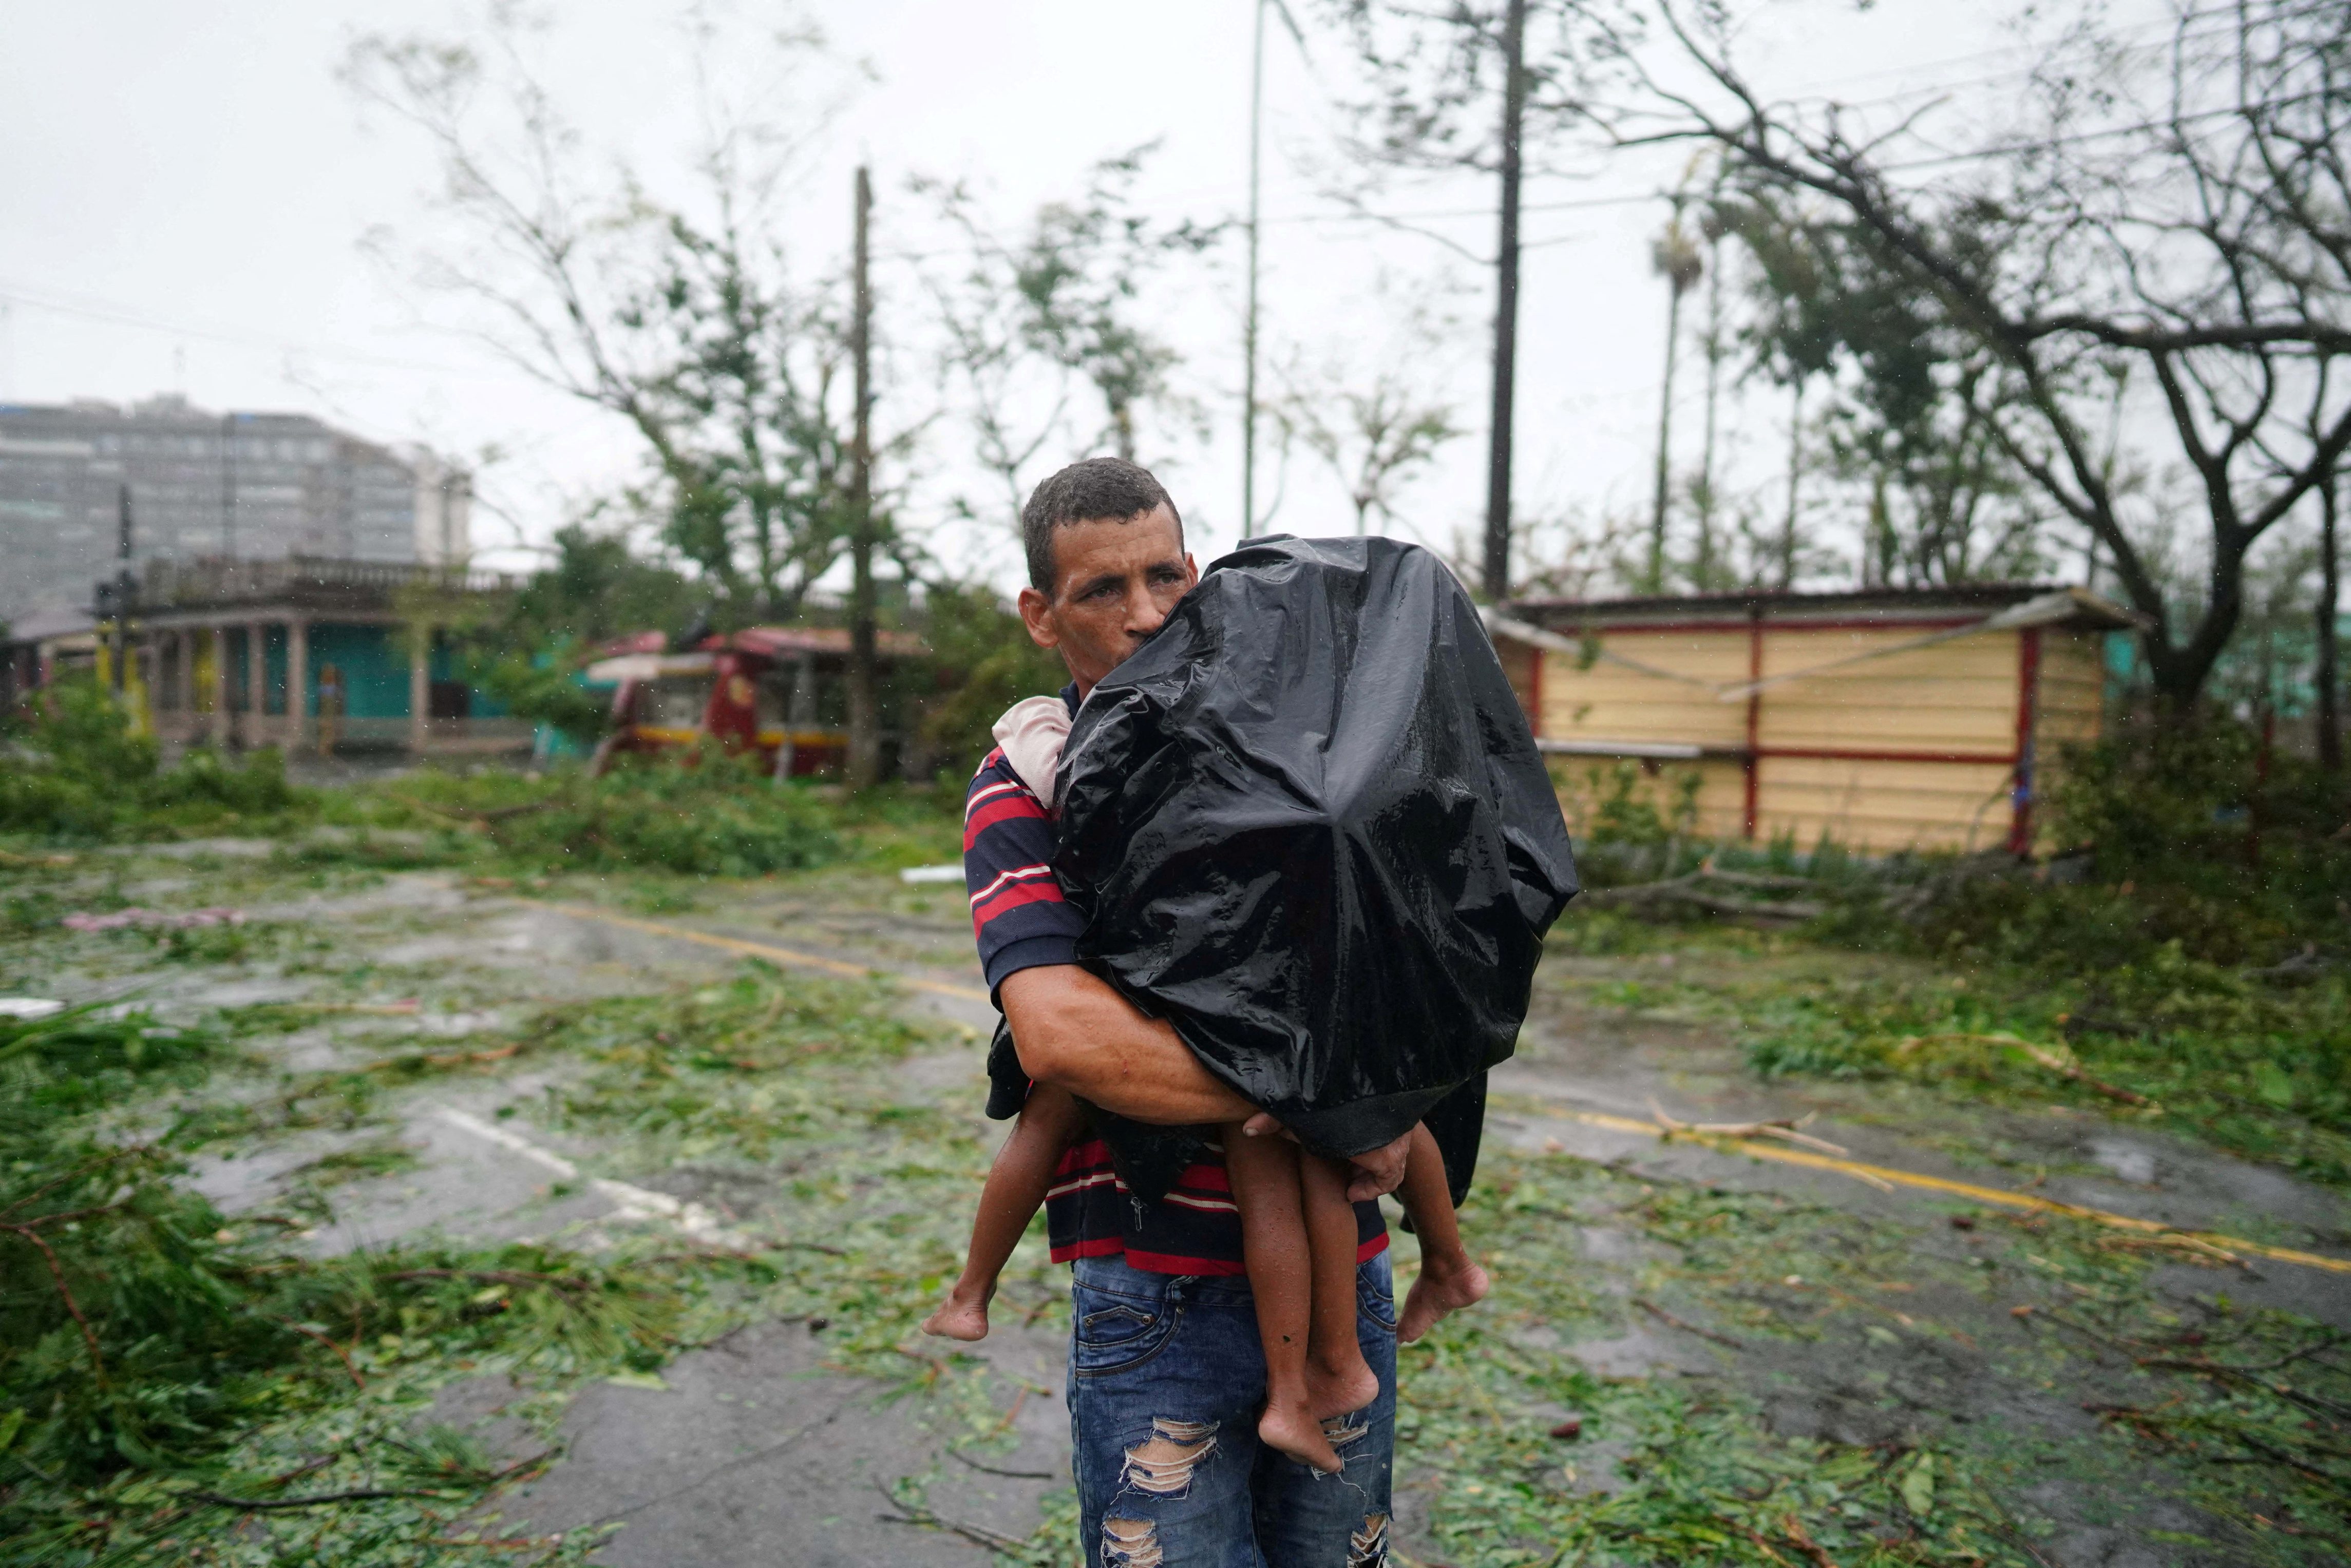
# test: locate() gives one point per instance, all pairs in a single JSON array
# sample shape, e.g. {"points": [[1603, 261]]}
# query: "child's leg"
{"points": [[1265, 1181], [1016, 1183], [1338, 1379], [1450, 1279]]}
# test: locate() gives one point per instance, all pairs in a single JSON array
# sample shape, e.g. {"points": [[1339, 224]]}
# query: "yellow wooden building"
{"points": [[1889, 719]]}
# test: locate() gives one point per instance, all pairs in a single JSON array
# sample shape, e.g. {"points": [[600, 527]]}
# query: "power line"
{"points": [[1642, 198], [114, 314], [2162, 24]]}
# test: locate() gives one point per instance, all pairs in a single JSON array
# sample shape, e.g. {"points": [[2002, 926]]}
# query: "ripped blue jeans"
{"points": [[1166, 1378]]}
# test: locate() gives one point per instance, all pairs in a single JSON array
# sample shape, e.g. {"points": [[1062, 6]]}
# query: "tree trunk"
{"points": [[1713, 398], [2329, 678], [2182, 671], [864, 710], [1497, 563]]}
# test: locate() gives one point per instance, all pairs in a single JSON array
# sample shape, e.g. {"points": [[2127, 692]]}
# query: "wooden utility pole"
{"points": [[864, 710], [1249, 320], [1497, 572]]}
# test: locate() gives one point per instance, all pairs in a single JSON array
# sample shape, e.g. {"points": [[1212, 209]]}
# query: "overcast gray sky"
{"points": [[183, 192]]}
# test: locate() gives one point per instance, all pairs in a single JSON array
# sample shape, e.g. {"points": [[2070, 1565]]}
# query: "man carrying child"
{"points": [[1205, 1432]]}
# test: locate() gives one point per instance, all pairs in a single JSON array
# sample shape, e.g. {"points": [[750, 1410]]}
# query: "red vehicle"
{"points": [[779, 691]]}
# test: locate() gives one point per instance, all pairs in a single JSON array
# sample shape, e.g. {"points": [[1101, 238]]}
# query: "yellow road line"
{"points": [[772, 954], [1991, 1195], [1755, 1148]]}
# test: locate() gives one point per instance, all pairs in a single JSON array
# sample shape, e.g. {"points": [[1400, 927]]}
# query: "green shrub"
{"points": [[82, 775], [2184, 841], [702, 815]]}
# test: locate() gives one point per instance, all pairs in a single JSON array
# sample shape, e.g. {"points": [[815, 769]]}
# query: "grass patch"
{"points": [[723, 1069], [1865, 1392], [160, 1365], [361, 1162], [2261, 1072]]}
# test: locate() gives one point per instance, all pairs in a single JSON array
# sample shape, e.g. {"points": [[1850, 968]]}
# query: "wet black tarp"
{"points": [[1307, 824]]}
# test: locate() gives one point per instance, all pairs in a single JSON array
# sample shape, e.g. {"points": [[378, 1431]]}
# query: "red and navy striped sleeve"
{"points": [[1018, 913]]}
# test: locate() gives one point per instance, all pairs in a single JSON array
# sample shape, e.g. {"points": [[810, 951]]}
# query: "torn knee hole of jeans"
{"points": [[1341, 1430], [1163, 1464], [1368, 1547], [1131, 1544]]}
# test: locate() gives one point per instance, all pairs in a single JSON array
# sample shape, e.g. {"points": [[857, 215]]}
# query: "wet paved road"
{"points": [[755, 1453]]}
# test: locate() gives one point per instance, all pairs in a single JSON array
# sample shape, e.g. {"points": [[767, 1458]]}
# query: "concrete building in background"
{"points": [[445, 509], [206, 485]]}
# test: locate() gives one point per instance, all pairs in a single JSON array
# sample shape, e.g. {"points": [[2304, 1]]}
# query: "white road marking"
{"points": [[629, 1202]]}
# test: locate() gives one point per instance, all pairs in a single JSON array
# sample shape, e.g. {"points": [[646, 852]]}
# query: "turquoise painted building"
{"points": [[305, 652]]}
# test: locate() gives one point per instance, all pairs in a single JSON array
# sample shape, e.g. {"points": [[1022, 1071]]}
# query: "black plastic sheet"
{"points": [[1308, 825]]}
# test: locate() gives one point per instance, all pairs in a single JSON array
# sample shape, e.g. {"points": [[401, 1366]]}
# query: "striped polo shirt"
{"points": [[1022, 921]]}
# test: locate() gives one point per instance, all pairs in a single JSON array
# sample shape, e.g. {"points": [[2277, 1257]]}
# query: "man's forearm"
{"points": [[1075, 1032]]}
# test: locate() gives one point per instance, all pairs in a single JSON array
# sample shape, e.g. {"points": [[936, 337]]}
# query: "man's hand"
{"points": [[1377, 1171]]}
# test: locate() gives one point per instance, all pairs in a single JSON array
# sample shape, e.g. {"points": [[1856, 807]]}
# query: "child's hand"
{"points": [[1377, 1171]]}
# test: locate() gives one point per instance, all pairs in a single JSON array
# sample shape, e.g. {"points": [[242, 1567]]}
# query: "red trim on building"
{"points": [[1752, 764], [2028, 687]]}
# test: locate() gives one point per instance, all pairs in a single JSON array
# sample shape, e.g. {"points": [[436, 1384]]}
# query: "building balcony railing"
{"points": [[220, 581]]}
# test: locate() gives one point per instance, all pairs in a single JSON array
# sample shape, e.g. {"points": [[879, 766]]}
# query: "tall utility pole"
{"points": [[1506, 309], [864, 711], [1249, 320], [1249, 323]]}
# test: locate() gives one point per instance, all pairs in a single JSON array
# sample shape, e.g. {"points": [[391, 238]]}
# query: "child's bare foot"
{"points": [[1445, 1285], [1293, 1428], [962, 1317], [1340, 1390]]}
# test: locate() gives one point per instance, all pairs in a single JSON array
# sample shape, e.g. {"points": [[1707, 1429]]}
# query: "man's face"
{"points": [[1115, 580]]}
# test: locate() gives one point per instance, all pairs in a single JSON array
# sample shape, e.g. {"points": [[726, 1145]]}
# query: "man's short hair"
{"points": [[1086, 492]]}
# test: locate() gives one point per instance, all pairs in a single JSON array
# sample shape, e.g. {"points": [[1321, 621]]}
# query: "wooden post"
{"points": [[2028, 692], [419, 688], [220, 725], [298, 682], [330, 708], [1752, 763], [256, 683]]}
